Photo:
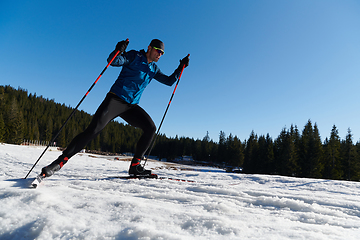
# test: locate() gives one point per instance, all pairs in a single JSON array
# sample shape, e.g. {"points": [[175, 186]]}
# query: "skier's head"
{"points": [[158, 45], [155, 50]]}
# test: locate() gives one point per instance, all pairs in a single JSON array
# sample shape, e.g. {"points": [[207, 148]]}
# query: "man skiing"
{"points": [[138, 69]]}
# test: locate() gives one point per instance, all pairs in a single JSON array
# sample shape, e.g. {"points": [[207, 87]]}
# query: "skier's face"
{"points": [[153, 55]]}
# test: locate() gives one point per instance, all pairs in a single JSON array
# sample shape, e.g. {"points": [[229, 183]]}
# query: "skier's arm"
{"points": [[121, 58], [169, 80]]}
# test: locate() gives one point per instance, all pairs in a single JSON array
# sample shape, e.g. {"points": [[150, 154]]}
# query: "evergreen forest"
{"points": [[27, 117]]}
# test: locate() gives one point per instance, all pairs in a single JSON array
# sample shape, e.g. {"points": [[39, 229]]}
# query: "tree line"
{"points": [[293, 153], [34, 118]]}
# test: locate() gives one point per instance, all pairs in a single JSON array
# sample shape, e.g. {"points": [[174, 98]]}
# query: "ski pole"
{"points": [[72, 113], [162, 120]]}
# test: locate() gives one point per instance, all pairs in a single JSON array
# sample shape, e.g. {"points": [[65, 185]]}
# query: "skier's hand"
{"points": [[185, 61], [121, 46]]}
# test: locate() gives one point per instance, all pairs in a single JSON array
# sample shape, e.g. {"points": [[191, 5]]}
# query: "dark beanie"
{"points": [[158, 44]]}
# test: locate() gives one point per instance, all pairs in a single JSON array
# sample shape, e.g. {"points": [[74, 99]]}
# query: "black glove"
{"points": [[121, 46], [184, 61]]}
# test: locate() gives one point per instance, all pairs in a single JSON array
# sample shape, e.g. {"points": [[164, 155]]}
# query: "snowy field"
{"points": [[80, 202]]}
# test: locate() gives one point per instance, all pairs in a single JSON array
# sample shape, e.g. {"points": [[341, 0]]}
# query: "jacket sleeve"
{"points": [[119, 59], [167, 80]]}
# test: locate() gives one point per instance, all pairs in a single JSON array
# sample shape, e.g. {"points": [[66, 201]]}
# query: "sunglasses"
{"points": [[160, 51]]}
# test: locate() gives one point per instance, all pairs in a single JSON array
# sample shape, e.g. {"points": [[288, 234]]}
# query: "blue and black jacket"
{"points": [[136, 74]]}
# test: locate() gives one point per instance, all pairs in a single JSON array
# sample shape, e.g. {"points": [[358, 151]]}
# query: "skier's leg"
{"points": [[137, 117], [110, 108]]}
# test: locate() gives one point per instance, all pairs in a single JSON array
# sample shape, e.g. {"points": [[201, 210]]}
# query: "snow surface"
{"points": [[81, 202]]}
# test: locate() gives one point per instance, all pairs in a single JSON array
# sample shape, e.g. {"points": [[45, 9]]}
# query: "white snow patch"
{"points": [[81, 202]]}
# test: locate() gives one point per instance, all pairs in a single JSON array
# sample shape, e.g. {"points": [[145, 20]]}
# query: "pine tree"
{"points": [[318, 158], [222, 147], [234, 151], [61, 138], [35, 131], [265, 156], [205, 148], [311, 152], [332, 166], [350, 162], [251, 154], [356, 176], [281, 152], [2, 121], [286, 156], [49, 130], [14, 125], [270, 156], [294, 145], [2, 128]]}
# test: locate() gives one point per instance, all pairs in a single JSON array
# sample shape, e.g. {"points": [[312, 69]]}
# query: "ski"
{"points": [[136, 176], [154, 176], [40, 178], [37, 181], [176, 179]]}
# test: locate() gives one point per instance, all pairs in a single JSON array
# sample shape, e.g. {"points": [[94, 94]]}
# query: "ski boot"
{"points": [[54, 166], [137, 170]]}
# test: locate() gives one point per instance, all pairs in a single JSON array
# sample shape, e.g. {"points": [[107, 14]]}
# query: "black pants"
{"points": [[110, 108]]}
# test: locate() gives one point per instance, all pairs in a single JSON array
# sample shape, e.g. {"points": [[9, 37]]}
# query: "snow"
{"points": [[81, 202]]}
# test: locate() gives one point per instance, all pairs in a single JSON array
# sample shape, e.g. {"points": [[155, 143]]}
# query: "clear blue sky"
{"points": [[255, 64]]}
